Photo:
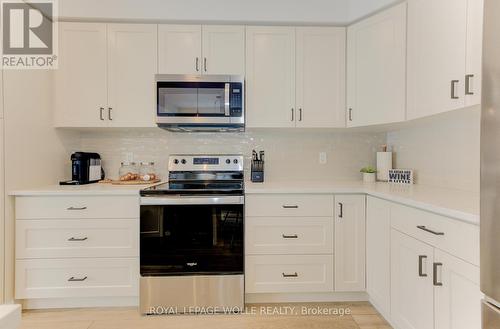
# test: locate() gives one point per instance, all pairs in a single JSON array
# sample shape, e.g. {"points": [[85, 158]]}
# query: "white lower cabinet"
{"points": [[411, 283], [288, 273], [350, 243], [70, 247], [378, 254], [457, 302]]}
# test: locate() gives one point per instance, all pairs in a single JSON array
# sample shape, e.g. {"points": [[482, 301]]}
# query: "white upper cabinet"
{"points": [[132, 65], [444, 43], [350, 243], [106, 75], [223, 49], [196, 49], [473, 68], [320, 69], [179, 49], [81, 80], [270, 76], [376, 68]]}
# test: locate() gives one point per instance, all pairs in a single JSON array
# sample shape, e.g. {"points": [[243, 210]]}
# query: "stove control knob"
{"points": [[235, 161], [183, 161], [228, 161], [176, 161]]}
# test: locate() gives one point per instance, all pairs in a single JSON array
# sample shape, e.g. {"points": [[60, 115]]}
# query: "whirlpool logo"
{"points": [[29, 34]]}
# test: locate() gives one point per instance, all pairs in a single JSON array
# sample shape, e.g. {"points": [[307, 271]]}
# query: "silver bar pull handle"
{"points": [[290, 206], [350, 114], [468, 78], [205, 64], [423, 228], [72, 239], [341, 215], [76, 208], [73, 279], [101, 110], [300, 114], [197, 64], [293, 275], [453, 87], [292, 236], [110, 113], [293, 116], [435, 274], [421, 273]]}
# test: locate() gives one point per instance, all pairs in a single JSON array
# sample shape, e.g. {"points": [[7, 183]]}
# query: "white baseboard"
{"points": [[46, 303], [307, 297]]}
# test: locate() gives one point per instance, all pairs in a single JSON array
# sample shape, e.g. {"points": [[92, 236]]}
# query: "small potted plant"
{"points": [[369, 174]]}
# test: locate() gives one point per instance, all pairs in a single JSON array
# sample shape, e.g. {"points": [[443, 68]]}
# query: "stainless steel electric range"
{"points": [[191, 243]]}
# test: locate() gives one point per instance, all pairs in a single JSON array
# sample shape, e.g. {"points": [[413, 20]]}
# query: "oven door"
{"points": [[191, 235]]}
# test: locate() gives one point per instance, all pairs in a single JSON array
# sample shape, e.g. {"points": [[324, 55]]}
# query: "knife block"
{"points": [[257, 171]]}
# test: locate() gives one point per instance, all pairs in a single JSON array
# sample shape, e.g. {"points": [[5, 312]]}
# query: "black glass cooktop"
{"points": [[197, 188]]}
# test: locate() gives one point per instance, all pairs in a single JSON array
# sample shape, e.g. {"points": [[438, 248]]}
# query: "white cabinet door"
{"points": [[223, 49], [270, 74], [457, 302], [411, 283], [320, 97], [378, 254], [179, 49], [350, 243], [473, 69], [81, 79], [436, 56], [132, 65], [376, 69]]}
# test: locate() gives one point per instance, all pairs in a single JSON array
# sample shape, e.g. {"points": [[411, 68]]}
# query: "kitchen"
{"points": [[320, 92]]}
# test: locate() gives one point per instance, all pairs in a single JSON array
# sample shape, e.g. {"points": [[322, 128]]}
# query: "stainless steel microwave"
{"points": [[200, 103]]}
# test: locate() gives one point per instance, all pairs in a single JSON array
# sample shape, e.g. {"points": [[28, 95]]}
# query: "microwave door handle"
{"points": [[226, 100]]}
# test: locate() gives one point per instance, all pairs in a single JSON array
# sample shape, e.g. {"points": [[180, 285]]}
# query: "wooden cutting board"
{"points": [[129, 182]]}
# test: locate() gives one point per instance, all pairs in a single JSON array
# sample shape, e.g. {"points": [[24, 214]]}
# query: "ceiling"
{"points": [[331, 12]]}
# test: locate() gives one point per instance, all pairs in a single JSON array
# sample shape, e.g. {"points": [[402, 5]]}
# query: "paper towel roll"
{"points": [[384, 163]]}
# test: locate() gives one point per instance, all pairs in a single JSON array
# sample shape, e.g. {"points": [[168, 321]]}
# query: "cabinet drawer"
{"points": [[289, 205], [291, 273], [455, 237], [56, 278], [297, 235], [60, 238], [54, 207]]}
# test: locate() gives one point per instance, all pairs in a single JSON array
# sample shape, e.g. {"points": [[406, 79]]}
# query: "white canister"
{"points": [[384, 164]]}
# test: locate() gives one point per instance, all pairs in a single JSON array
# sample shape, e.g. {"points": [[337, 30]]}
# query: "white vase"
{"points": [[369, 177]]}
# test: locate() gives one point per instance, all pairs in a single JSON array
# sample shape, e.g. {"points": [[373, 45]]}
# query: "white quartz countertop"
{"points": [[458, 204], [88, 189]]}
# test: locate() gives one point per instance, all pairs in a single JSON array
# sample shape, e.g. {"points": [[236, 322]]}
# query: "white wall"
{"points": [[289, 155], [311, 11], [35, 153], [443, 149]]}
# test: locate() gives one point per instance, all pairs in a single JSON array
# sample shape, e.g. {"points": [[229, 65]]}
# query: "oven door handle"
{"points": [[191, 200]]}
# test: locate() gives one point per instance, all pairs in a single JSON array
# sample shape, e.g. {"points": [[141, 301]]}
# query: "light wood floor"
{"points": [[363, 316]]}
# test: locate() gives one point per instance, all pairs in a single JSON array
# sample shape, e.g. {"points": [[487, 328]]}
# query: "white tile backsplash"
{"points": [[289, 154], [443, 150]]}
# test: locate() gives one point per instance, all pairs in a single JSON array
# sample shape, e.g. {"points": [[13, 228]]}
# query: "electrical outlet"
{"points": [[322, 158]]}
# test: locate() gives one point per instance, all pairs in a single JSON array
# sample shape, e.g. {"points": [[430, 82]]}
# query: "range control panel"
{"points": [[190, 162]]}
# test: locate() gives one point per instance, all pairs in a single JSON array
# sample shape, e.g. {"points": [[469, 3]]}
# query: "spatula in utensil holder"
{"points": [[257, 171]]}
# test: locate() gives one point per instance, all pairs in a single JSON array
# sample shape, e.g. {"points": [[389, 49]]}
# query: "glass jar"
{"points": [[128, 171], [147, 171]]}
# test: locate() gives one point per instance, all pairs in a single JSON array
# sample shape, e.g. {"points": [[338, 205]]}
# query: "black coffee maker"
{"points": [[86, 168]]}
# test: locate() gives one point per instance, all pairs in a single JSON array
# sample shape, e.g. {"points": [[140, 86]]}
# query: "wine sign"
{"points": [[401, 176]]}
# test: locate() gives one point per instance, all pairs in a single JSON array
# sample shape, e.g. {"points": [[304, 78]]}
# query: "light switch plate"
{"points": [[322, 158]]}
